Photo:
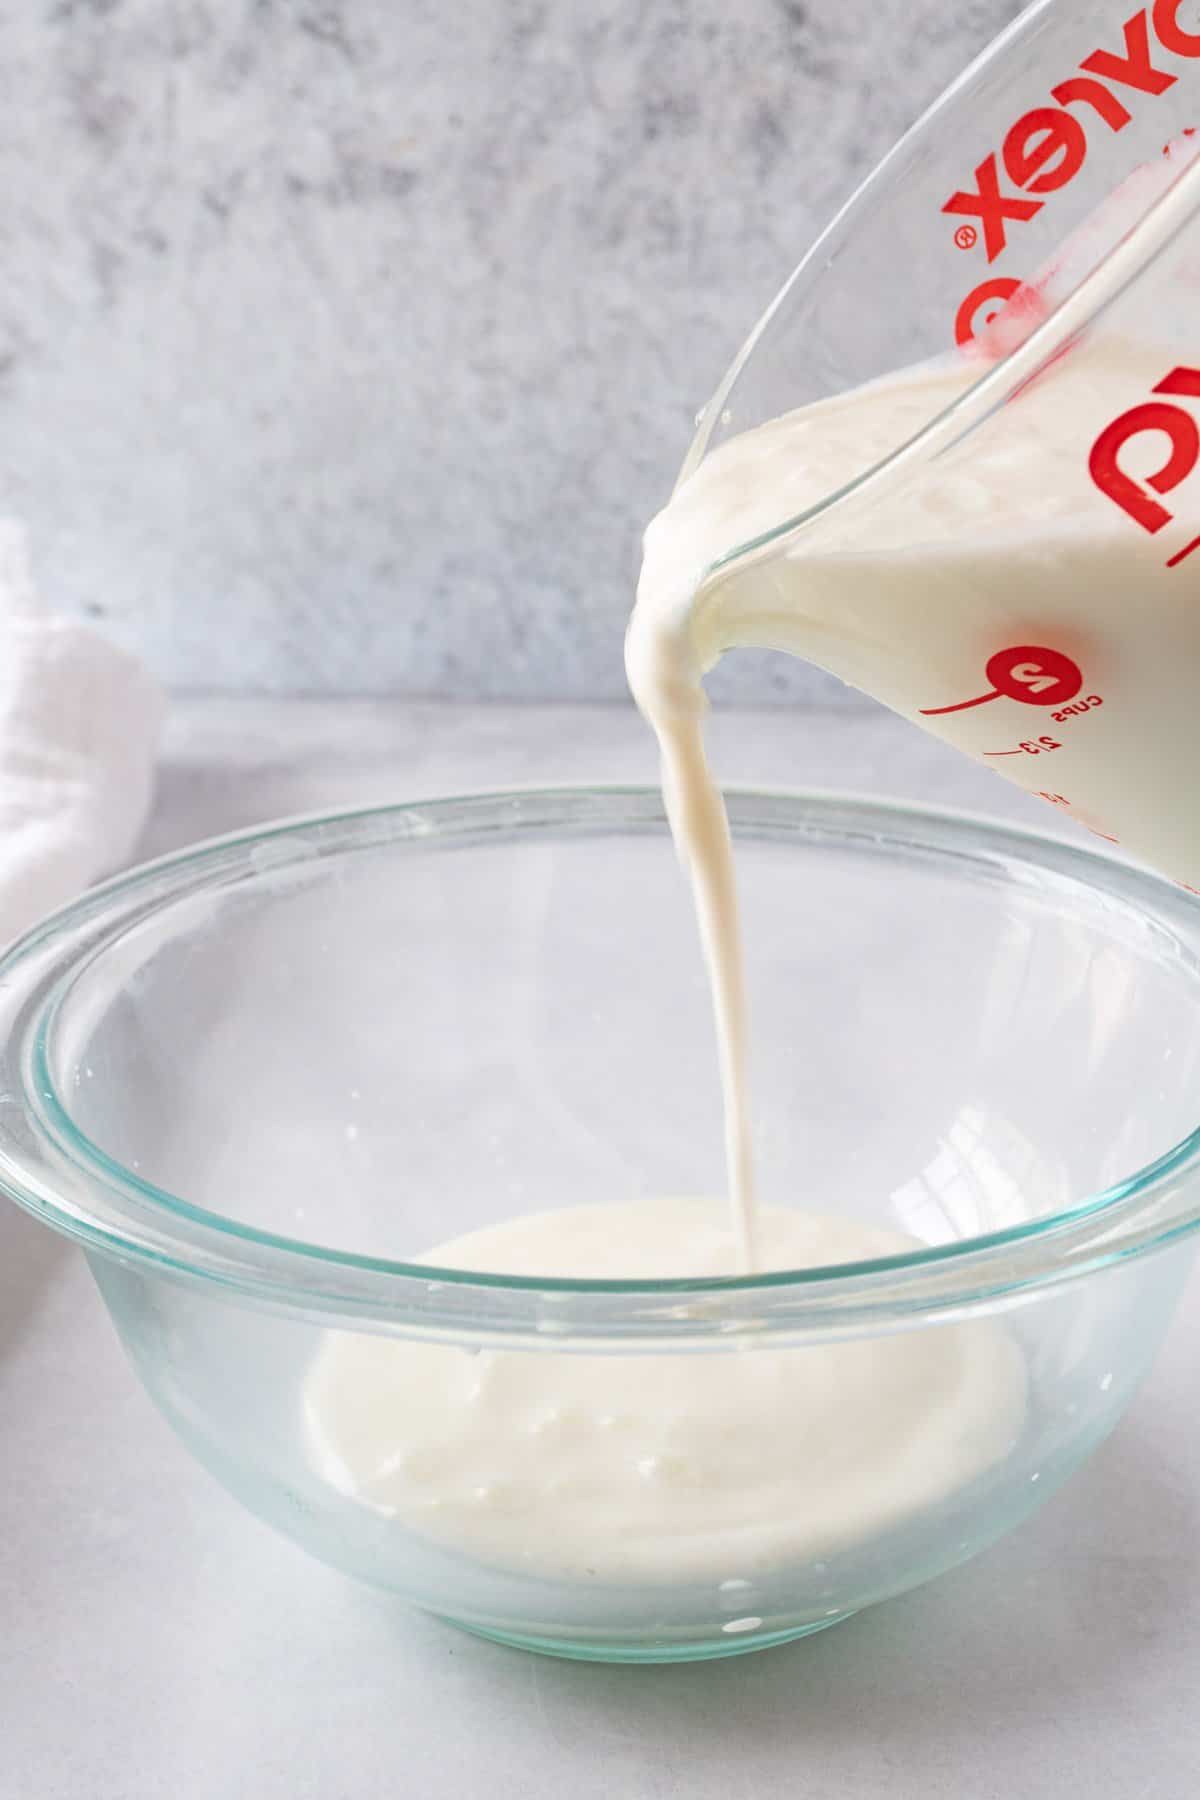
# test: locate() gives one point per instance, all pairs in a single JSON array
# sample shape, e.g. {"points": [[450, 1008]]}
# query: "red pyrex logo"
{"points": [[1046, 147], [1180, 449]]}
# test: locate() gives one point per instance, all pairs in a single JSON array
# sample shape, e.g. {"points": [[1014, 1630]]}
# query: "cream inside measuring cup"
{"points": [[659, 1468]]}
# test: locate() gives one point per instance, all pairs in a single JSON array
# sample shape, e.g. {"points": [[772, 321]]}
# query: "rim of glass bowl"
{"points": [[49, 1167]]}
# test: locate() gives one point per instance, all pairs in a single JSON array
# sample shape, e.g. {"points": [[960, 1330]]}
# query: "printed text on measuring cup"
{"points": [[1036, 676], [1176, 427], [1046, 147]]}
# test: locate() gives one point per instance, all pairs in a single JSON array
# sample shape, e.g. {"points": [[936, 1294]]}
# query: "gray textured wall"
{"points": [[347, 347]]}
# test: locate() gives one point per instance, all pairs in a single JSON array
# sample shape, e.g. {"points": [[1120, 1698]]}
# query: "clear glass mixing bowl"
{"points": [[256, 1079]]}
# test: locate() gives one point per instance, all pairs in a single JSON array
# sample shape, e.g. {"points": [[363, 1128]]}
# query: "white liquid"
{"points": [[661, 1468], [673, 700], [908, 591]]}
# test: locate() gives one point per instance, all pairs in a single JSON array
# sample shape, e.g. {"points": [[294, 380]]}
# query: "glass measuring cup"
{"points": [[1009, 561]]}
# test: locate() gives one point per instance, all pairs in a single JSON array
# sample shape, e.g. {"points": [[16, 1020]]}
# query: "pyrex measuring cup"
{"points": [[1013, 568]]}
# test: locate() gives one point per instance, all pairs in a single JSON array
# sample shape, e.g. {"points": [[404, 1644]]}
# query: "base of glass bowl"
{"points": [[603, 1650]]}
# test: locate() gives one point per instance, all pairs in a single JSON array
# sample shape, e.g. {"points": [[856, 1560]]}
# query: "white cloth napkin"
{"points": [[79, 727]]}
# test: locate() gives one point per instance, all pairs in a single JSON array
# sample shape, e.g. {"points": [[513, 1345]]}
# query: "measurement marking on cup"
{"points": [[1029, 673], [1029, 747], [1179, 555], [931, 712], [1061, 800]]}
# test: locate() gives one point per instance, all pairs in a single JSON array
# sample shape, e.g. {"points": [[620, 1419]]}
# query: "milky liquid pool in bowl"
{"points": [[259, 1080]]}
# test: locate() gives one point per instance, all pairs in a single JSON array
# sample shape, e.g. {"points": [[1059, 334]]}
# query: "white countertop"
{"points": [[156, 1643]]}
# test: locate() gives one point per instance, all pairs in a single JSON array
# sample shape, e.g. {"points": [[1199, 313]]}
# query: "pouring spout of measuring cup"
{"points": [[983, 507]]}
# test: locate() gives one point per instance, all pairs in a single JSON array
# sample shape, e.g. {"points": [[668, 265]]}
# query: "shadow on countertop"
{"points": [[31, 1258]]}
